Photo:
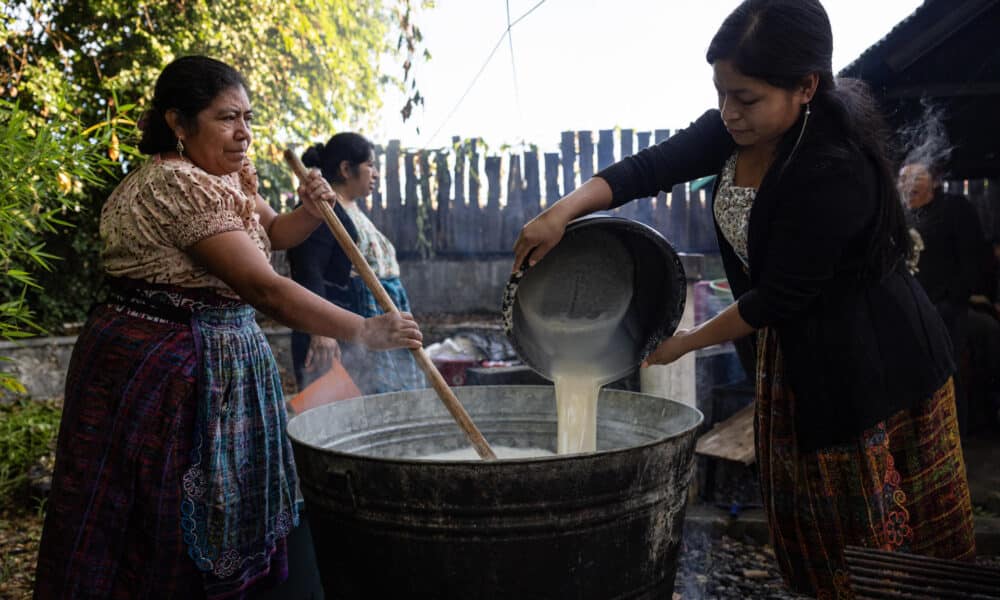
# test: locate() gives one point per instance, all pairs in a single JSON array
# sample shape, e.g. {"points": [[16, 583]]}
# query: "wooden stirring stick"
{"points": [[368, 276]]}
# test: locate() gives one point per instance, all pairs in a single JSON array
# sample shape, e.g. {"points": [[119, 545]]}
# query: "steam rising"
{"points": [[926, 141]]}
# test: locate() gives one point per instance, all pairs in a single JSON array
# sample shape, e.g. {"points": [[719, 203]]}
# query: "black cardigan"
{"points": [[856, 351], [320, 265]]}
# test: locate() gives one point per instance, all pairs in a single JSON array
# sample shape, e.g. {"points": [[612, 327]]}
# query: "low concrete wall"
{"points": [[455, 286], [41, 364]]}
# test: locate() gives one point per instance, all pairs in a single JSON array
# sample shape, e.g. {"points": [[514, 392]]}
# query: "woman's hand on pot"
{"points": [[322, 352], [313, 190], [669, 349], [537, 238], [390, 331]]}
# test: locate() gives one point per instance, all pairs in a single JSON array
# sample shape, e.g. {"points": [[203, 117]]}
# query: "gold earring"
{"points": [[180, 147]]}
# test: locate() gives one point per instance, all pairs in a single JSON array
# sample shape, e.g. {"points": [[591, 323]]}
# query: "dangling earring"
{"points": [[180, 147], [802, 132]]}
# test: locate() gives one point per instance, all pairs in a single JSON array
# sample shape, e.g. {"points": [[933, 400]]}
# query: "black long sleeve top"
{"points": [[953, 243], [321, 266], [856, 350]]}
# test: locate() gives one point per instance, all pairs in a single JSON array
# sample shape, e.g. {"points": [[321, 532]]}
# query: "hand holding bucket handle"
{"points": [[444, 392]]}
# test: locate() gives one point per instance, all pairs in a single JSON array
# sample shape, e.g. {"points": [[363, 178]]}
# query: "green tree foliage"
{"points": [[43, 172], [313, 67]]}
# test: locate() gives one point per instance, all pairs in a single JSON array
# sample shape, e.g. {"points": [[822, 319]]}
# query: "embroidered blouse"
{"points": [[163, 208], [375, 247], [732, 210]]}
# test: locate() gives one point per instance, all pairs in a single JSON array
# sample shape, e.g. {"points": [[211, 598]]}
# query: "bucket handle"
{"points": [[341, 485]]}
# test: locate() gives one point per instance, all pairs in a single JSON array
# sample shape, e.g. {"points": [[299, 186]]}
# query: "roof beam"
{"points": [[911, 50], [945, 90]]}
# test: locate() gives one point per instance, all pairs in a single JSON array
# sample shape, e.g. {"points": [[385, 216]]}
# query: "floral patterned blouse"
{"points": [[732, 210], [378, 251], [161, 209]]}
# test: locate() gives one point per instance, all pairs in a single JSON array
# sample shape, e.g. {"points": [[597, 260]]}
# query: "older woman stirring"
{"points": [[173, 474]]}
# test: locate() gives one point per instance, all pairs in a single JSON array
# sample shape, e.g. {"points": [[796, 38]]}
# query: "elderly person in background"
{"points": [[174, 475], [950, 261]]}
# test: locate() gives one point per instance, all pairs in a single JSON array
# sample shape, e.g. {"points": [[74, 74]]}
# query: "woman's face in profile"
{"points": [[364, 179], [219, 145]]}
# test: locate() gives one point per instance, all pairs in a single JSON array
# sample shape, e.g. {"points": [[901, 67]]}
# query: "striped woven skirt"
{"points": [[901, 485], [173, 474]]}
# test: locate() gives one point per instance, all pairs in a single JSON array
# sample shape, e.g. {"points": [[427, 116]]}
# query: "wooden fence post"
{"points": [[586, 156], [605, 148], [513, 212], [476, 228], [493, 233], [629, 210], [408, 226], [567, 150], [394, 203], [443, 224], [532, 190], [551, 178]]}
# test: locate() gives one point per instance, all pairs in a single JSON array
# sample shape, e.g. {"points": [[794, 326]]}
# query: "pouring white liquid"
{"points": [[576, 410], [575, 310]]}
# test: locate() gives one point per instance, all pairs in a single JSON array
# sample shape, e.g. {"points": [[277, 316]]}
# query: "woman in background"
{"points": [[347, 161]]}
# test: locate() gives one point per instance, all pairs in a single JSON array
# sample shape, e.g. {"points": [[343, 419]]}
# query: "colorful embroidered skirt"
{"points": [[173, 473], [900, 486]]}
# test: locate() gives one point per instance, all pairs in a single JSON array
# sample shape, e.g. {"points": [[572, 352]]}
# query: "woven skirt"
{"points": [[900, 485], [173, 474]]}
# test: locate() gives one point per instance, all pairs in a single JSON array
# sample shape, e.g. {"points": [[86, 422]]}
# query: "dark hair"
{"points": [[352, 147], [188, 85], [784, 41]]}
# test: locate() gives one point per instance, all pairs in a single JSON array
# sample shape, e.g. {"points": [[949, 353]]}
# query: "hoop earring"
{"points": [[180, 147]]}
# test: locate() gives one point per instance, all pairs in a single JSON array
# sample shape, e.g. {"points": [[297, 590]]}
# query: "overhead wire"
{"points": [[475, 78], [513, 69]]}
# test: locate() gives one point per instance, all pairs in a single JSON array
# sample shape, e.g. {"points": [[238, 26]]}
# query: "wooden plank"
{"points": [[458, 213], [532, 186], [605, 148], [552, 194], [473, 230], [513, 212], [425, 219], [567, 150], [407, 225], [625, 148], [586, 155], [394, 199], [731, 439], [492, 233], [443, 222]]}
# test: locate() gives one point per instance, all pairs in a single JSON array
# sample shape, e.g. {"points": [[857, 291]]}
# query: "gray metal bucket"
{"points": [[601, 525]]}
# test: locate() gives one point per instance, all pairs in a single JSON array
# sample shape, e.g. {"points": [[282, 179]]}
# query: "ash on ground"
{"points": [[722, 569]]}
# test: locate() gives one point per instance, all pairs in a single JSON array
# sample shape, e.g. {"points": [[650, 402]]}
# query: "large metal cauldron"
{"points": [[602, 525]]}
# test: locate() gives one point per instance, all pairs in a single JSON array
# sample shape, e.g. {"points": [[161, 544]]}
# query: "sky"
{"points": [[581, 64]]}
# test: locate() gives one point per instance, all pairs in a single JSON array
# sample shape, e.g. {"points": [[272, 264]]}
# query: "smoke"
{"points": [[926, 142]]}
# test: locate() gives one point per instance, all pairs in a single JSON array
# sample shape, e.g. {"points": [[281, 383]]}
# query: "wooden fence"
{"points": [[461, 202]]}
